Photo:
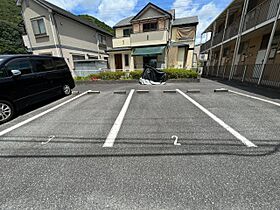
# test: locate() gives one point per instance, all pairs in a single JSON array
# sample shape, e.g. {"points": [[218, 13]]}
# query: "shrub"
{"points": [[108, 75], [136, 74], [180, 73]]}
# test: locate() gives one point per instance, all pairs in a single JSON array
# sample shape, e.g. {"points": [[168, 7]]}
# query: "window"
{"points": [[127, 32], [2, 73], [39, 27], [23, 65], [150, 26], [126, 59], [78, 57], [102, 39], [43, 64], [60, 64]]}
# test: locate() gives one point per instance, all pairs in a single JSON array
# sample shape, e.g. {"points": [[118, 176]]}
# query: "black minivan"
{"points": [[29, 79]]}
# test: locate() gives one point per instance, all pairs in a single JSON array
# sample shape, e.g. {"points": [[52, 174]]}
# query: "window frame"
{"points": [[129, 32], [150, 28], [36, 21], [103, 39]]}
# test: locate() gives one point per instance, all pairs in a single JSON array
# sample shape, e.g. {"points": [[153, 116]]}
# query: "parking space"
{"points": [[158, 121], [58, 160], [83, 123], [257, 120]]}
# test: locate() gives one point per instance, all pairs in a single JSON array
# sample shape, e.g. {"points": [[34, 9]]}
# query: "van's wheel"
{"points": [[7, 111], [66, 90]]}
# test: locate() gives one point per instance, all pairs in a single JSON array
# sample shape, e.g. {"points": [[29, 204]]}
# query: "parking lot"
{"points": [[118, 151]]}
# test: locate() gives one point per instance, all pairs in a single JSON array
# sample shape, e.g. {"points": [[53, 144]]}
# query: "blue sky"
{"points": [[112, 11]]}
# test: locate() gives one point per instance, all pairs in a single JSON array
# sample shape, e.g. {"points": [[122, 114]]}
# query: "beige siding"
{"points": [[34, 11], [119, 32], [70, 34], [150, 13]]}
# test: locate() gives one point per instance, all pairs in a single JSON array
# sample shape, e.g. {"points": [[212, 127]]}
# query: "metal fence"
{"points": [[246, 73], [261, 13]]}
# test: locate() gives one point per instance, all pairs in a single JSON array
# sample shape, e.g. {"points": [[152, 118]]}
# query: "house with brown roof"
{"points": [[153, 36]]}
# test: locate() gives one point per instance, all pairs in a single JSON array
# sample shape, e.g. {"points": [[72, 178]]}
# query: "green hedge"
{"points": [[135, 74], [180, 73], [171, 74]]}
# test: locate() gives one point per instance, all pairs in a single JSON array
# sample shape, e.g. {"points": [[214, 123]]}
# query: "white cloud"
{"points": [[109, 11], [205, 13], [66, 4], [112, 11]]}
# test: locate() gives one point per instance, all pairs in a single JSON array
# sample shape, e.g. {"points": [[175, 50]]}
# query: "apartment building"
{"points": [[51, 30], [153, 35], [244, 43]]}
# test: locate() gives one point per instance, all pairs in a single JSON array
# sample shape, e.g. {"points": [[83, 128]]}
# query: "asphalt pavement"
{"points": [[58, 160]]}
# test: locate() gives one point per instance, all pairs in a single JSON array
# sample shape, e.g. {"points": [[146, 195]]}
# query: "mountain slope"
{"points": [[11, 28], [98, 23]]}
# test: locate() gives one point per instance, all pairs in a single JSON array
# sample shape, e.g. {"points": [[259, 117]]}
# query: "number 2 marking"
{"points": [[176, 140]]}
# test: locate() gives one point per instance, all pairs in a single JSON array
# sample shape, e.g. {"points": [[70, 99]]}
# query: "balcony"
{"points": [[149, 38], [218, 38], [121, 42], [261, 13], [205, 46], [232, 30]]}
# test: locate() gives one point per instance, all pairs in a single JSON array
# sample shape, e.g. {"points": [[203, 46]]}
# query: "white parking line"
{"points": [[254, 97], [244, 140], [118, 123], [39, 115]]}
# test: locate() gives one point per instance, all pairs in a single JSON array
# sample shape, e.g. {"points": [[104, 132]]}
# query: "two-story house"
{"points": [[153, 34], [244, 43], [51, 30]]}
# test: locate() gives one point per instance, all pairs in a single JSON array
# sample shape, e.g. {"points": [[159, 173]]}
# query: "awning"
{"points": [[148, 51]]}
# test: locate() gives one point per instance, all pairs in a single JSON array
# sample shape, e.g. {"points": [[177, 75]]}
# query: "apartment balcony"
{"points": [[218, 38], [121, 42], [232, 30], [205, 46], [261, 13], [149, 38]]}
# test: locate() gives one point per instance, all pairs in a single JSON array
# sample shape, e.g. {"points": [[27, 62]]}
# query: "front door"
{"points": [[118, 61]]}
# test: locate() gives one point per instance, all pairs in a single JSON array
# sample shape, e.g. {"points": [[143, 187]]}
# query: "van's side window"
{"points": [[60, 63], [23, 65], [2, 73], [43, 64]]}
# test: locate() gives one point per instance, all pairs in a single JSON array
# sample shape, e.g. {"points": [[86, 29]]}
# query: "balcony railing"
{"points": [[121, 42], [149, 38], [218, 38], [232, 30], [261, 13], [205, 46]]}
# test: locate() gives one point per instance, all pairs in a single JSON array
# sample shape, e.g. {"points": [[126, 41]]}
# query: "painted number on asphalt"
{"points": [[50, 138], [176, 140]]}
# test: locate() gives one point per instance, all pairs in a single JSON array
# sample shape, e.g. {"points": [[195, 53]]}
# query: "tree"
{"points": [[11, 29]]}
